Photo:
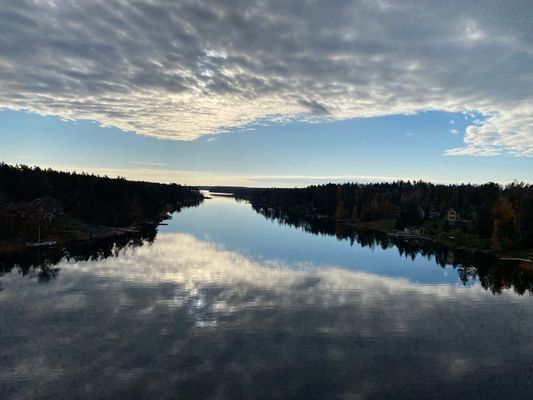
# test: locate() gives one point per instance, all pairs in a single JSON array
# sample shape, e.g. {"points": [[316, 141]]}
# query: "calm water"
{"points": [[226, 304]]}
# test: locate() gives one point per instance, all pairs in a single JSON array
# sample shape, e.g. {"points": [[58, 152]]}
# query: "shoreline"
{"points": [[87, 233], [518, 255], [386, 227], [102, 233]]}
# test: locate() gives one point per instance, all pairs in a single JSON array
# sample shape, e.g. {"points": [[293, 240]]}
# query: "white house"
{"points": [[452, 215]]}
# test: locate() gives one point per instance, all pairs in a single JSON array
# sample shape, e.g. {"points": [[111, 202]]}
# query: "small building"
{"points": [[452, 216]]}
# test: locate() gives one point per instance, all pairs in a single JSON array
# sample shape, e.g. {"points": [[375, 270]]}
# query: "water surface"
{"points": [[226, 304]]}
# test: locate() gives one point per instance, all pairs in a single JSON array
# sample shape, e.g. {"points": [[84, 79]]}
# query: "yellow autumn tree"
{"points": [[505, 224]]}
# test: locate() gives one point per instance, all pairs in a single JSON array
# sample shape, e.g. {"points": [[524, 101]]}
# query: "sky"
{"points": [[269, 93]]}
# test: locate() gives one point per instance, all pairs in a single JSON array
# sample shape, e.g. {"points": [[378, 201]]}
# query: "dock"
{"points": [[516, 259]]}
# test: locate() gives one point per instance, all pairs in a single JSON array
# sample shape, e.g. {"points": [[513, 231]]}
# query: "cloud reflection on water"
{"points": [[185, 318]]}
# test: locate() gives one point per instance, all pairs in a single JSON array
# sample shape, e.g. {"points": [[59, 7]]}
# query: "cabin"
{"points": [[452, 216]]}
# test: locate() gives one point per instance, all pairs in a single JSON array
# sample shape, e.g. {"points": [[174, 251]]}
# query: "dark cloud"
{"points": [[315, 107], [233, 62]]}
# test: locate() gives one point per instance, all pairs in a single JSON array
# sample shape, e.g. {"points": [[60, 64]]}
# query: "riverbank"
{"points": [[453, 238], [436, 234], [66, 230], [43, 208], [85, 234]]}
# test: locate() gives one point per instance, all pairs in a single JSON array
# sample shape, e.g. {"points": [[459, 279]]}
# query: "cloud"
{"points": [[180, 70], [315, 107], [150, 172], [325, 178], [472, 151], [454, 131], [150, 164]]}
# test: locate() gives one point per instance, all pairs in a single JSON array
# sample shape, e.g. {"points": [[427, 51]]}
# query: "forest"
{"points": [[62, 201], [494, 216]]}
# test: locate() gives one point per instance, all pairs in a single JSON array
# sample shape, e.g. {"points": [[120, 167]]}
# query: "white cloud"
{"points": [[150, 164], [151, 173], [454, 131], [473, 151], [179, 70]]}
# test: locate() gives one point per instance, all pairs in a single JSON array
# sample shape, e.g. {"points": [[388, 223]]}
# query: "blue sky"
{"points": [[281, 154], [270, 92]]}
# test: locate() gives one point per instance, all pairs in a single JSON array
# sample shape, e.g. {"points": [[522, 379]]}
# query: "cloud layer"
{"points": [[178, 70]]}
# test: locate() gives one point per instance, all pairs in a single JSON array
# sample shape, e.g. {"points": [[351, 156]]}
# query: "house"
{"points": [[47, 208], [452, 216]]}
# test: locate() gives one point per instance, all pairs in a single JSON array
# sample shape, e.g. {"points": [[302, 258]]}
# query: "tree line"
{"points": [[501, 214], [93, 199]]}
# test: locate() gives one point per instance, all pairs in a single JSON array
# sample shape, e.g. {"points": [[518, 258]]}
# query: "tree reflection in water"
{"points": [[493, 274], [40, 263]]}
